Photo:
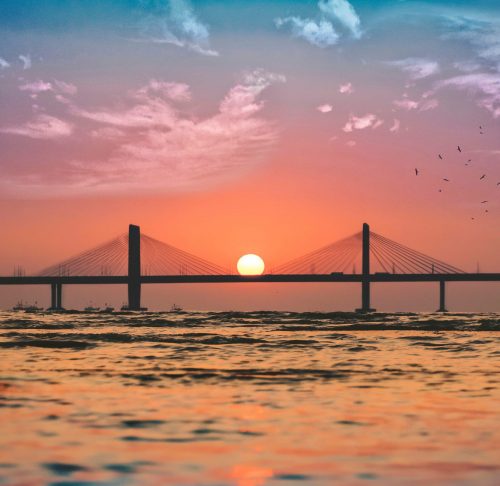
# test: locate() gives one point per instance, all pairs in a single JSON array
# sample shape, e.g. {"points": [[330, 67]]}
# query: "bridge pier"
{"points": [[365, 283], [56, 296], [442, 296], [134, 268]]}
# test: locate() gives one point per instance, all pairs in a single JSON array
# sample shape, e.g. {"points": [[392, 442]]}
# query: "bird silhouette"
{"points": [[416, 172], [484, 202], [498, 183], [440, 156], [446, 180], [459, 149], [482, 177]]}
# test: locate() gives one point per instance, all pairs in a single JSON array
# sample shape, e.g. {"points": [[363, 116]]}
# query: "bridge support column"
{"points": [[134, 268], [442, 296], [365, 283], [56, 296]]}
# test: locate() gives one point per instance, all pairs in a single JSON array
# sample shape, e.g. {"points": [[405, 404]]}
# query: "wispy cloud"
{"points": [[175, 23], [42, 127], [417, 68], [423, 104], [25, 60], [360, 123], [346, 88], [326, 108], [59, 89], [156, 146], [343, 12], [3, 63], [481, 32], [36, 86], [172, 91], [321, 31], [485, 85], [396, 125]]}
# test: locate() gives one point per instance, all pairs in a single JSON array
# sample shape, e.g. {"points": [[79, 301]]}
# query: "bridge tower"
{"points": [[56, 296], [134, 267], [442, 296], [365, 283]]}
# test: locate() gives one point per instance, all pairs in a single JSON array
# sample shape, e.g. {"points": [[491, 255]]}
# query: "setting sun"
{"points": [[250, 265]]}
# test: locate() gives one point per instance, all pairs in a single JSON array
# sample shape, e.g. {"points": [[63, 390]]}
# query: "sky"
{"points": [[267, 127]]}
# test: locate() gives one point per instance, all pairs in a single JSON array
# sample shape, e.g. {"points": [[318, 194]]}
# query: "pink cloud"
{"points": [[420, 105], [59, 88], [172, 91], [157, 147], [326, 108], [346, 88], [395, 126], [360, 123], [42, 127], [36, 87], [485, 85]]}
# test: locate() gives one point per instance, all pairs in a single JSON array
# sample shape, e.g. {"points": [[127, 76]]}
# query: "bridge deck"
{"points": [[269, 278]]}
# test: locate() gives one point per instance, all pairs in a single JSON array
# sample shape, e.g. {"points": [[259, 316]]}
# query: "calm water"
{"points": [[249, 399]]}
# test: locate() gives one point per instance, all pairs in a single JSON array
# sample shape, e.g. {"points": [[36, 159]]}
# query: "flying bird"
{"points": [[484, 202], [416, 172], [446, 180], [459, 149], [440, 156], [498, 183], [482, 177]]}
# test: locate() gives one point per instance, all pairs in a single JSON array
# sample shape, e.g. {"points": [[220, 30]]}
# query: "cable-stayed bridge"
{"points": [[135, 259]]}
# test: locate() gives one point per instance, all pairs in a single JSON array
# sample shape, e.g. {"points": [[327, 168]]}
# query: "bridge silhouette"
{"points": [[135, 259]]}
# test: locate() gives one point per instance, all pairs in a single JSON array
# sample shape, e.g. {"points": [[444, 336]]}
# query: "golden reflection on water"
{"points": [[248, 400]]}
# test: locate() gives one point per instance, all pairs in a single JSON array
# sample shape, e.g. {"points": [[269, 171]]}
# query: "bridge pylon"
{"points": [[365, 282], [56, 297], [134, 268]]}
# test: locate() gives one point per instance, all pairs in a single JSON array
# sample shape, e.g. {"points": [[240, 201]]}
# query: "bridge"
{"points": [[135, 259]]}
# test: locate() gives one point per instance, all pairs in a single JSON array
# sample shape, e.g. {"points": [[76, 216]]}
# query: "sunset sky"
{"points": [[269, 127]]}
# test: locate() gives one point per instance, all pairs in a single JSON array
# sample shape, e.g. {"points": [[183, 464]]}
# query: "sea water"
{"points": [[249, 399]]}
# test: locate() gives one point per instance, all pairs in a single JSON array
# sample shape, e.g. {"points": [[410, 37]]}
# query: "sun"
{"points": [[250, 265]]}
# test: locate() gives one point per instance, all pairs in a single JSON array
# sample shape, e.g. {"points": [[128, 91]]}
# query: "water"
{"points": [[249, 399]]}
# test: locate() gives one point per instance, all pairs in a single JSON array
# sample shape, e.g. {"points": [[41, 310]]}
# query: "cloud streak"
{"points": [[321, 31], [485, 85], [417, 68], [156, 147], [176, 24], [26, 61], [43, 127]]}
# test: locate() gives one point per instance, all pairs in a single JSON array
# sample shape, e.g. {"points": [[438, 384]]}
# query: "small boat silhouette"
{"points": [[19, 307]]}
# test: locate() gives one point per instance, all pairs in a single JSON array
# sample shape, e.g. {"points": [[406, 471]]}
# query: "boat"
{"points": [[19, 307], [91, 308], [176, 308], [107, 308], [33, 308]]}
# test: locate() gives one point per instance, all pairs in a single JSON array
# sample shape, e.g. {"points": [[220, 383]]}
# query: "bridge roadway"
{"points": [[267, 278]]}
